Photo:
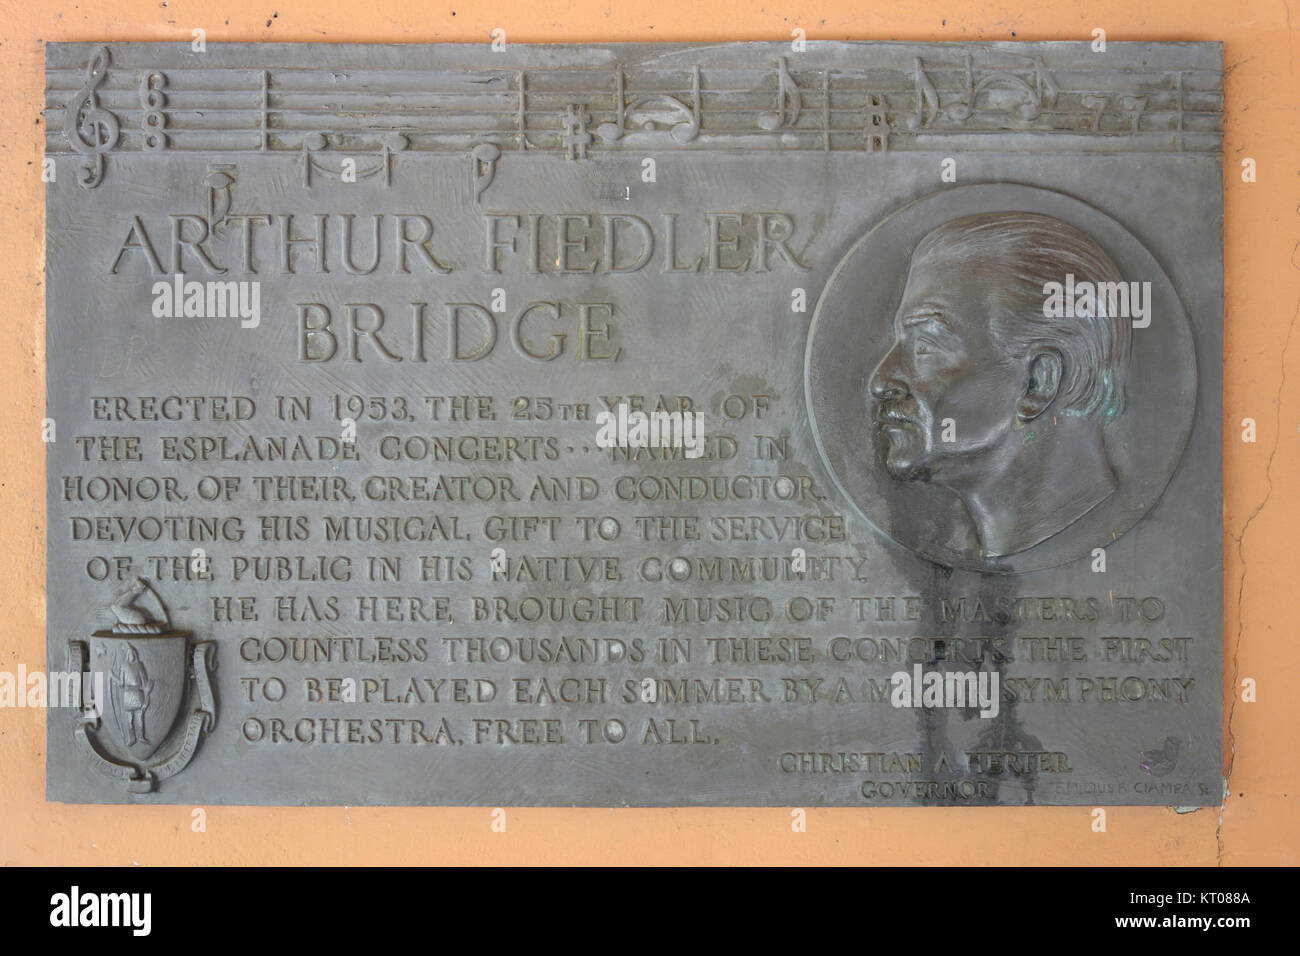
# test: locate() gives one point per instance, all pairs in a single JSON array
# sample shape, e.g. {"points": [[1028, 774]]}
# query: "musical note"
{"points": [[220, 181], [1003, 91], [961, 111], [1029, 108], [483, 166], [89, 128], [654, 112], [926, 95], [613, 132], [788, 101]]}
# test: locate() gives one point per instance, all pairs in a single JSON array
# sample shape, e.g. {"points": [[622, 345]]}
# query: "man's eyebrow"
{"points": [[922, 314]]}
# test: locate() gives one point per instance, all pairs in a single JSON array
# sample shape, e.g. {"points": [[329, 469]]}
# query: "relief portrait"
{"points": [[968, 419], [983, 394]]}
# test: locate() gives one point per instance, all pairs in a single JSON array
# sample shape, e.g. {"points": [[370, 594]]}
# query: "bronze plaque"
{"points": [[742, 424]]}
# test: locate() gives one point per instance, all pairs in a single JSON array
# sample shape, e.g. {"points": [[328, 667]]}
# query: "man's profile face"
{"points": [[944, 364]]}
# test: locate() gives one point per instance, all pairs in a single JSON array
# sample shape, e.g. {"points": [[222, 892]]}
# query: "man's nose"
{"points": [[887, 381]]}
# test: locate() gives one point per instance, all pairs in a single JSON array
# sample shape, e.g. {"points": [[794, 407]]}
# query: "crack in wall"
{"points": [[1241, 583]]}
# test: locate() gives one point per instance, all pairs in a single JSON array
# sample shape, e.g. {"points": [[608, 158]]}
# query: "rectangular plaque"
{"points": [[637, 425]]}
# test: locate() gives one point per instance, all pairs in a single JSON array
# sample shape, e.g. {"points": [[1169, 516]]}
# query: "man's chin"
{"points": [[902, 468]]}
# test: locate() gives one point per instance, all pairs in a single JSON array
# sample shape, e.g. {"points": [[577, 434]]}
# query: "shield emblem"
{"points": [[144, 683]]}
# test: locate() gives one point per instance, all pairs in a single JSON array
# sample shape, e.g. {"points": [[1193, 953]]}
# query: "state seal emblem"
{"points": [[159, 703]]}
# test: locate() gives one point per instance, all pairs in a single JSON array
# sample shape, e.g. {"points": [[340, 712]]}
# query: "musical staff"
{"points": [[893, 99]]}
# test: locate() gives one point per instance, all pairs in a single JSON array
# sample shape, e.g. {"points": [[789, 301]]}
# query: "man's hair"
{"points": [[1027, 251]]}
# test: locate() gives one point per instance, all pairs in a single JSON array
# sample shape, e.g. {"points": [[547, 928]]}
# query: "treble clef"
{"points": [[88, 127]]}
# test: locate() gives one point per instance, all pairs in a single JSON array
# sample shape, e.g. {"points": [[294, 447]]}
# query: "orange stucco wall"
{"points": [[1259, 823]]}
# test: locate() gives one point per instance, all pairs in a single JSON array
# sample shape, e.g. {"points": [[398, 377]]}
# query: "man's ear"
{"points": [[1044, 382]]}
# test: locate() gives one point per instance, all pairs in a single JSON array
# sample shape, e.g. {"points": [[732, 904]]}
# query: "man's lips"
{"points": [[887, 420]]}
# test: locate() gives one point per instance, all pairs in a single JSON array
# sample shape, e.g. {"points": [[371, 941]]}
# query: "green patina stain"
{"points": [[1108, 404]]}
